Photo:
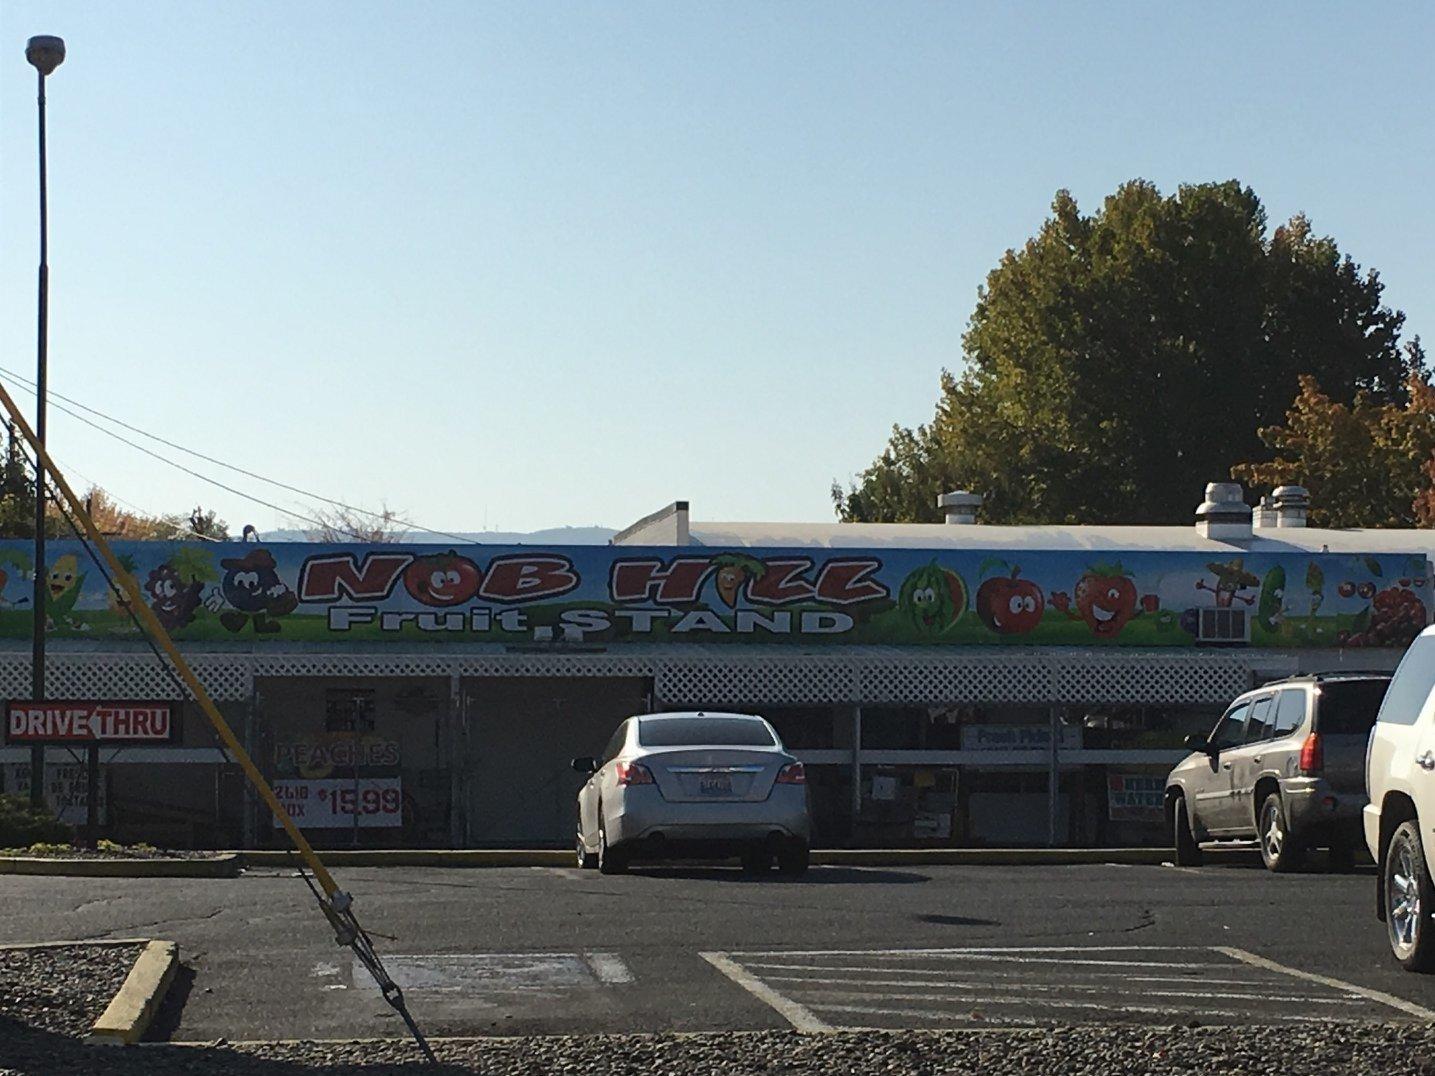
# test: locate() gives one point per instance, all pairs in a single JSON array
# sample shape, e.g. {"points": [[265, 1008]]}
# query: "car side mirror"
{"points": [[1197, 742], [586, 764]]}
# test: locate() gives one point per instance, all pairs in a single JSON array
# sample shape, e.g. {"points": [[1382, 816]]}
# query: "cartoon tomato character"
{"points": [[442, 579], [1009, 605], [1105, 600]]}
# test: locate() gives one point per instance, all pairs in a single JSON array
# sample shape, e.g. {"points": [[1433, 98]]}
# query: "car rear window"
{"points": [[1349, 706], [703, 732], [1412, 684]]}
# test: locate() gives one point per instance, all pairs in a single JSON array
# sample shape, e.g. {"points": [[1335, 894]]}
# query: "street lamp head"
{"points": [[45, 53]]}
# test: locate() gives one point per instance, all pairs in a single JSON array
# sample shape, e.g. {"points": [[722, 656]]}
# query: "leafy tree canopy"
{"points": [[1120, 360], [1366, 465]]}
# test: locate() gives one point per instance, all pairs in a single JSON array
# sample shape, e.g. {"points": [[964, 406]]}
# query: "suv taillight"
{"points": [[1312, 755], [792, 774], [633, 773]]}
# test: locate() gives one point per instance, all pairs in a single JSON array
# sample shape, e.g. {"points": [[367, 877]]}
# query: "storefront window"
{"points": [[348, 709]]}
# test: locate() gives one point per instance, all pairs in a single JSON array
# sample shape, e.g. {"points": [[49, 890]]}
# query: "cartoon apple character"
{"points": [[442, 579], [1009, 605]]}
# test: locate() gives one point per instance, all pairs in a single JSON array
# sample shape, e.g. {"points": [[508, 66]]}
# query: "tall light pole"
{"points": [[44, 53]]}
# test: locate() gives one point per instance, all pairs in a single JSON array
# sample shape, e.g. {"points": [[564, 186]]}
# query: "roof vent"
{"points": [[1266, 513], [1292, 505], [960, 506], [1225, 516]]}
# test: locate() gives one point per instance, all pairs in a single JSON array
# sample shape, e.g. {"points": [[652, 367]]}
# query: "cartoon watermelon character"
{"points": [[932, 598]]}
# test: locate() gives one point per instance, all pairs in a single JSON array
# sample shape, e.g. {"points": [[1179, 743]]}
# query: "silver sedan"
{"points": [[693, 785]]}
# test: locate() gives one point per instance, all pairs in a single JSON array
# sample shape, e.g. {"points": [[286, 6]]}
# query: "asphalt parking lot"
{"points": [[562, 951]]}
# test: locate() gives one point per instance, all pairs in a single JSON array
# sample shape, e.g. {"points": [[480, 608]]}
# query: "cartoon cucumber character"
{"points": [[1270, 612], [932, 598], [1315, 583]]}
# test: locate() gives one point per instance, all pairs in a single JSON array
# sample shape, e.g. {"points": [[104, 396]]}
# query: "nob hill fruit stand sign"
{"points": [[254, 595]]}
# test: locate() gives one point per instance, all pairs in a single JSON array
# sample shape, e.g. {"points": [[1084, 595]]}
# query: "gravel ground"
{"points": [[61, 989], [1365, 1050]]}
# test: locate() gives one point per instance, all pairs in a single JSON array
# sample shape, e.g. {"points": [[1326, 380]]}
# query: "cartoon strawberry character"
{"points": [[1105, 600]]}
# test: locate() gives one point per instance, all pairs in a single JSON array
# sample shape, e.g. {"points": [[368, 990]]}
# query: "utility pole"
{"points": [[44, 53]]}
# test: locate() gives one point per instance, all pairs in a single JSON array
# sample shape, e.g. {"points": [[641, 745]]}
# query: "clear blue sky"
{"points": [[525, 265]]}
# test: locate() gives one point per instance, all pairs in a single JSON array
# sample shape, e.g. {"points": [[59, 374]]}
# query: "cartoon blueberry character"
{"points": [[253, 587]]}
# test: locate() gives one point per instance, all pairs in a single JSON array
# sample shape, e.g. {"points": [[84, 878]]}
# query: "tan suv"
{"points": [[1285, 765]]}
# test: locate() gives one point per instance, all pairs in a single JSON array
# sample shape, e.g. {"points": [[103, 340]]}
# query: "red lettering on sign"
{"points": [[333, 576], [528, 578], [843, 582], [647, 580], [782, 582], [81, 721]]}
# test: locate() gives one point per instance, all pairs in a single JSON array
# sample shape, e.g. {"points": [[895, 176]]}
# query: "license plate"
{"points": [[715, 784]]}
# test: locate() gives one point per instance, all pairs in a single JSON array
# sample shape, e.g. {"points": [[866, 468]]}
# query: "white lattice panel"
{"points": [[522, 664], [1151, 677], [123, 676], [798, 679], [730, 676], [1015, 678]]}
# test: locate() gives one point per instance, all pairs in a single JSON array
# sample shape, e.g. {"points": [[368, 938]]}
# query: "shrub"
{"points": [[22, 824]]}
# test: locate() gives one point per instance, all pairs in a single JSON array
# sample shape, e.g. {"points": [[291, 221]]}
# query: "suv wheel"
{"points": [[1188, 851], [1409, 900], [1279, 848]]}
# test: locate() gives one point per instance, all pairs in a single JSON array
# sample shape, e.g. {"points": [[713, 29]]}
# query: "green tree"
{"points": [[1120, 360], [1366, 465], [17, 490]]}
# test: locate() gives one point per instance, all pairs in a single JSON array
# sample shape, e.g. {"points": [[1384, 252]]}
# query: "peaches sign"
{"points": [[611, 595]]}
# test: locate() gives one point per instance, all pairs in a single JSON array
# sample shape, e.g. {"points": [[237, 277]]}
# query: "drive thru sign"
{"points": [[89, 722]]}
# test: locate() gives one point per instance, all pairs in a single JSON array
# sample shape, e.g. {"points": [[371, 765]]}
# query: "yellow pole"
{"points": [[156, 631]]}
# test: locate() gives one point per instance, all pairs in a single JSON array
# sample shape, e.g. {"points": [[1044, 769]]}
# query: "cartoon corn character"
{"points": [[735, 571]]}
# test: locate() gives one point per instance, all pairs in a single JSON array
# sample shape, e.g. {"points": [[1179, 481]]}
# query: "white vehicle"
{"points": [[1400, 818]]}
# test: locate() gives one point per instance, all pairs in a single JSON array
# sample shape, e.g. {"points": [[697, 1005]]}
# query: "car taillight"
{"points": [[792, 774], [1312, 755], [633, 773]]}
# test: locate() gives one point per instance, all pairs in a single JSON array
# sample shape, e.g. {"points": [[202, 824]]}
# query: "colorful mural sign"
{"points": [[609, 595]]}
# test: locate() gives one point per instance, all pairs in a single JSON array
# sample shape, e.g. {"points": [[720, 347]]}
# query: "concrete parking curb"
{"points": [[416, 857], [131, 1010], [220, 866], [832, 857]]}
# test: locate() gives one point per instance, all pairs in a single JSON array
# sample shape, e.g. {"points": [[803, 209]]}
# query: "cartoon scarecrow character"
{"points": [[1231, 579]]}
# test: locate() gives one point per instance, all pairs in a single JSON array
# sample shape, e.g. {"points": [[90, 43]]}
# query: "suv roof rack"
{"points": [[1334, 674]]}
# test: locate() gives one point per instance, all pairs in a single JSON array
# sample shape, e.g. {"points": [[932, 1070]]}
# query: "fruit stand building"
{"points": [[947, 684]]}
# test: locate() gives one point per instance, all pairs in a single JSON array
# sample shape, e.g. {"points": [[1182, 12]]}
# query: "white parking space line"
{"points": [[1008, 960], [796, 1014], [609, 968], [1000, 950], [1032, 985], [1061, 987], [1379, 996]]}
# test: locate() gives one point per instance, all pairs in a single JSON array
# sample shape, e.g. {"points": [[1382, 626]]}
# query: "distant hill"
{"points": [[552, 536]]}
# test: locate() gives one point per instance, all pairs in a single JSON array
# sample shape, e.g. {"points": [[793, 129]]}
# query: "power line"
{"points": [[310, 494]]}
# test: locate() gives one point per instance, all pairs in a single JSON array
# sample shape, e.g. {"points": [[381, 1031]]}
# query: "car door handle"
{"points": [[1256, 759], [1427, 760], [1225, 765]]}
